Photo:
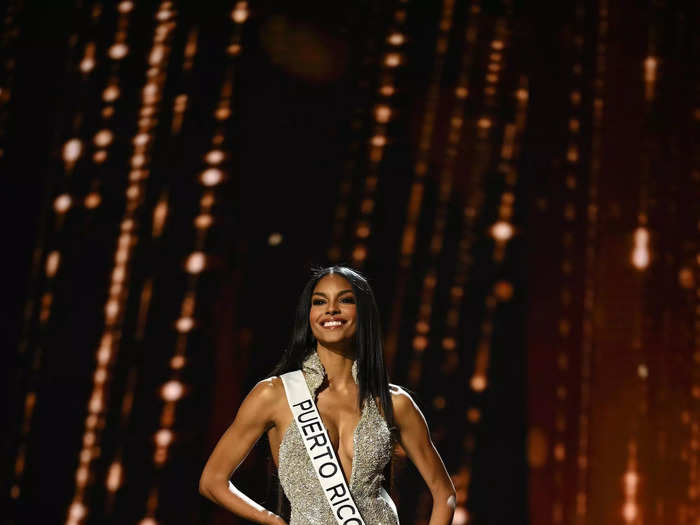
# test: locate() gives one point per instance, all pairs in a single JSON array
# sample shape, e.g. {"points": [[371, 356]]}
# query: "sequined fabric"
{"points": [[372, 447]]}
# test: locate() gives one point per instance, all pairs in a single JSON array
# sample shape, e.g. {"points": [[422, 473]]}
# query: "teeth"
{"points": [[332, 323]]}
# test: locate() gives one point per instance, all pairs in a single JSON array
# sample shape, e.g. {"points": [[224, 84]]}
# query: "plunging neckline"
{"points": [[314, 374], [354, 442]]}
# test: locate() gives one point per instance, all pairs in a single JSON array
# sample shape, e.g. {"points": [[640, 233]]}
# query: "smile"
{"points": [[333, 324]]}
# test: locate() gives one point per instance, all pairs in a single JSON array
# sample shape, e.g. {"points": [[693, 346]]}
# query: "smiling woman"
{"points": [[352, 415]]}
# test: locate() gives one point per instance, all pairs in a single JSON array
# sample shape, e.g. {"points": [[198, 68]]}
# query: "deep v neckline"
{"points": [[354, 441], [348, 480], [315, 374]]}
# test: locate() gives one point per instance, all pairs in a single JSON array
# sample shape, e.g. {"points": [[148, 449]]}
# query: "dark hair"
{"points": [[372, 377]]}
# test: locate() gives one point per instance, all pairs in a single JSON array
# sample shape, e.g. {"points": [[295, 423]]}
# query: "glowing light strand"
{"points": [[107, 351], [587, 337], [422, 327], [341, 213], [115, 473], [8, 36], [62, 203], [211, 178], [420, 168], [571, 184], [485, 126], [392, 58]]}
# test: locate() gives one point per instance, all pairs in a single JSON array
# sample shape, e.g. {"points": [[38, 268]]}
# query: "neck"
{"points": [[338, 366]]}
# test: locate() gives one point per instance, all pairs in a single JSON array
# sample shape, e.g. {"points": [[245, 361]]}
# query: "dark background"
{"points": [[304, 90]]}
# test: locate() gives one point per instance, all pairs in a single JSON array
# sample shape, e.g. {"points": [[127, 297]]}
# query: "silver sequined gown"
{"points": [[372, 446]]}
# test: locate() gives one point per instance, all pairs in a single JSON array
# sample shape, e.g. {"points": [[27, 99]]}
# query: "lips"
{"points": [[333, 323]]}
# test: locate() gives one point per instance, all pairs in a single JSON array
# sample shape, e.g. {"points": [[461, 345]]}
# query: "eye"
{"points": [[350, 300], [317, 301]]}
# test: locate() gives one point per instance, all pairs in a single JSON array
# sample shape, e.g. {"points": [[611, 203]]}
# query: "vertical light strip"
{"points": [[62, 201], [103, 138], [691, 512], [340, 217], [382, 113], [422, 328], [115, 475], [8, 36], [587, 337], [211, 177], [107, 351], [420, 168], [571, 183], [501, 230], [640, 258]]}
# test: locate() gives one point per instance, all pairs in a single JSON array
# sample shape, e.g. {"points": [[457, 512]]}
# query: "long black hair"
{"points": [[372, 377]]}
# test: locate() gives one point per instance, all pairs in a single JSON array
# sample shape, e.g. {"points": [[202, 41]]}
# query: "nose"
{"points": [[332, 310]]}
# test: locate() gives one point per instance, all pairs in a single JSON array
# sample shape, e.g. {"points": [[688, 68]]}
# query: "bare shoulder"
{"points": [[402, 402], [268, 390]]}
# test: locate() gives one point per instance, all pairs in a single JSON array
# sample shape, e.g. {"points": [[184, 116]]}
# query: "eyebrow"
{"points": [[324, 295]]}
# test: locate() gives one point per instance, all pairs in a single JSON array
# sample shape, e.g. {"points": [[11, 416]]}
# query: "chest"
{"points": [[341, 417]]}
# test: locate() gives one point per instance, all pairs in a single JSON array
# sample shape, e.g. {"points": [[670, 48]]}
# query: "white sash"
{"points": [[318, 446]]}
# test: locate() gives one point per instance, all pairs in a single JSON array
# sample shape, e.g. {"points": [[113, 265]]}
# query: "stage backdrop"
{"points": [[518, 180]]}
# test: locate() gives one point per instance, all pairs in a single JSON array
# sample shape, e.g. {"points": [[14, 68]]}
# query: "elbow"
{"points": [[445, 497], [204, 486]]}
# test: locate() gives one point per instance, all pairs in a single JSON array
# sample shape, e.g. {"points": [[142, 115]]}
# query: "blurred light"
{"points": [[382, 113], [184, 324], [396, 39], [52, 262], [359, 253], [503, 290], [378, 141], [215, 156], [177, 362], [650, 64], [640, 254], [460, 517], [502, 231], [110, 94], [629, 511], [76, 510], [62, 203], [141, 139], [72, 150], [484, 123], [449, 343], [275, 239], [240, 12], [420, 342], [118, 51], [643, 371], [203, 220], [392, 59], [172, 390], [211, 177], [163, 437], [125, 6], [363, 230], [478, 382], [195, 262]]}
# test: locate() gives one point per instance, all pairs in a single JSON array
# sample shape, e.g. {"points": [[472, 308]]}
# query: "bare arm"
{"points": [[255, 416], [415, 439]]}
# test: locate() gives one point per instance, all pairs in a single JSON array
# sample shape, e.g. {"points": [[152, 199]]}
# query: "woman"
{"points": [[336, 342]]}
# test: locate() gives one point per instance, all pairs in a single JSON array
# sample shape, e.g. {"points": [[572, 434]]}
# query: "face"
{"points": [[333, 311]]}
